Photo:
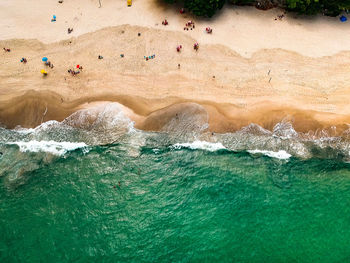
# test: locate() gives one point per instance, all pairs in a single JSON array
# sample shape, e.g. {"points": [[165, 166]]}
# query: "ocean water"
{"points": [[102, 191]]}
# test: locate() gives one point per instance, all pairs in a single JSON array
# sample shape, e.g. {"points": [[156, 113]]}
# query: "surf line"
{"points": [[42, 118]]}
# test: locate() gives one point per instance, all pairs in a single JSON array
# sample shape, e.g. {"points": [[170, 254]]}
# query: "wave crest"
{"points": [[55, 148], [200, 145]]}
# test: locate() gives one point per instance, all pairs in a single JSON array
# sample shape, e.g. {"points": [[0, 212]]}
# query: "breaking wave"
{"points": [[200, 145], [107, 124], [55, 148], [283, 155]]}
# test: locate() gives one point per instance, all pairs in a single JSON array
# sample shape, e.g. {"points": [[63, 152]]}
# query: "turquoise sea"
{"points": [[106, 192]]}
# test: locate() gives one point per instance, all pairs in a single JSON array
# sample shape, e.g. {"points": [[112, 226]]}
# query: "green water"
{"points": [[176, 206]]}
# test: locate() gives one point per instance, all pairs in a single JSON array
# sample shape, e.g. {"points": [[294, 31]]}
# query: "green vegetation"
{"points": [[202, 7], [311, 7], [308, 7]]}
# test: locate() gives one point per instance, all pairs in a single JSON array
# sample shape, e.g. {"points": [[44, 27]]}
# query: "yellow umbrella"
{"points": [[43, 71]]}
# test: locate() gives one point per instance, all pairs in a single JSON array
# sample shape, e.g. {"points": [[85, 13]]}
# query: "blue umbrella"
{"points": [[44, 59], [54, 17], [343, 19]]}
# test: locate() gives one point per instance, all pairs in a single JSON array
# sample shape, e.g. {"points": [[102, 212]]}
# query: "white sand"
{"points": [[245, 30]]}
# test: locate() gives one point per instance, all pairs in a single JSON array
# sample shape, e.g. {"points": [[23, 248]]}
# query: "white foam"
{"points": [[284, 130], [202, 145], [53, 147], [279, 155], [44, 125]]}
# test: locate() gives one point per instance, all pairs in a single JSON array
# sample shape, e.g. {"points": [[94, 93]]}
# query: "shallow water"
{"points": [[106, 192], [176, 206]]}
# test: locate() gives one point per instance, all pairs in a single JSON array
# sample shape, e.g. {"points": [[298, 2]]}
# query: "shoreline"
{"points": [[222, 118]]}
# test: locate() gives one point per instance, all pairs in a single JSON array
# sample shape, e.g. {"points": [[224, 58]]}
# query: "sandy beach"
{"points": [[252, 69]]}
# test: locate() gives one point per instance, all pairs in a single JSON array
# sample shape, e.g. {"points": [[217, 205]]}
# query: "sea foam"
{"points": [[200, 145], [283, 155], [53, 147]]}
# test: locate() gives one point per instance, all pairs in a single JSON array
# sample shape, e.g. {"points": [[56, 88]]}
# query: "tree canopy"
{"points": [[309, 7], [202, 7]]}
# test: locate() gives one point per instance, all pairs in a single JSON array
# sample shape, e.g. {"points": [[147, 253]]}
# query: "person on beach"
{"points": [[70, 30], [7, 49], [72, 72], [196, 46], [100, 57], [24, 60], [49, 64], [280, 17]]}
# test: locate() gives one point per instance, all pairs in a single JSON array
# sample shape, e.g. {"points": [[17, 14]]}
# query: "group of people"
{"points": [[209, 30], [195, 47], [280, 17], [7, 49], [73, 72], [24, 60], [49, 64], [165, 22], [70, 30], [189, 25], [150, 57]]}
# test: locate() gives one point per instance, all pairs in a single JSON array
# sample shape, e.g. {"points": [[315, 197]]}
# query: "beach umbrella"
{"points": [[44, 59], [54, 17], [43, 71], [78, 66], [343, 19]]}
